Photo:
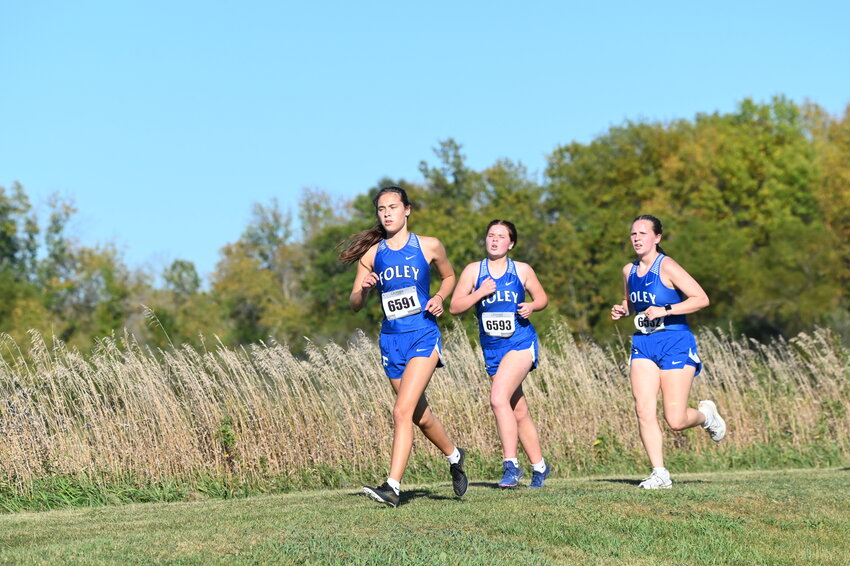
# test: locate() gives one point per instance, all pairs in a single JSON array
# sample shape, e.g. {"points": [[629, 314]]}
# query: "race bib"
{"points": [[498, 324], [401, 303], [646, 326]]}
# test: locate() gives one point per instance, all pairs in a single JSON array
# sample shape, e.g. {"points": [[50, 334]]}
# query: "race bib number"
{"points": [[401, 303], [646, 326], [498, 324]]}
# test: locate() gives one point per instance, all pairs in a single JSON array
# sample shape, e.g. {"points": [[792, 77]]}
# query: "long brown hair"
{"points": [[354, 246]]}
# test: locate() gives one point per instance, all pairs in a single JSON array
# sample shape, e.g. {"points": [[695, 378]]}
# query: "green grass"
{"points": [[748, 518], [91, 490]]}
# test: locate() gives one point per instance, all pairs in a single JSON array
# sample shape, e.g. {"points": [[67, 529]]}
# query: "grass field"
{"points": [[788, 517]]}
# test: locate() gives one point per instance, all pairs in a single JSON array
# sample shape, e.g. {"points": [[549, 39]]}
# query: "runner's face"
{"points": [[392, 214], [643, 238], [498, 241]]}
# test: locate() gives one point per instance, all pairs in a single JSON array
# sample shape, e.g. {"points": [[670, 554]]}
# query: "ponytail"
{"points": [[354, 246], [358, 244]]}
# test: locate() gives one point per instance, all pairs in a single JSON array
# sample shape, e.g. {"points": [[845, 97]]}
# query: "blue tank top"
{"points": [[497, 314], [404, 286], [648, 291]]}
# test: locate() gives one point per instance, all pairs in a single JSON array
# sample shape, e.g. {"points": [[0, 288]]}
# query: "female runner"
{"points": [[664, 351], [497, 287], [398, 264]]}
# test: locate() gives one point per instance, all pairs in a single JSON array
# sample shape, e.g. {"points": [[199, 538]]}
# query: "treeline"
{"points": [[755, 204]]}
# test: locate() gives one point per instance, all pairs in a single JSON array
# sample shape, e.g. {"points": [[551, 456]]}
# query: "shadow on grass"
{"points": [[618, 480], [495, 485], [637, 482], [409, 495]]}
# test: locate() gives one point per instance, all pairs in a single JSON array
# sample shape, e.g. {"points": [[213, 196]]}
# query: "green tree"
{"points": [[737, 195], [258, 279], [182, 279]]}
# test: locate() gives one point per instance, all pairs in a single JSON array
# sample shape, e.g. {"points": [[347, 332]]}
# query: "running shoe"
{"points": [[537, 478], [382, 494], [459, 480], [714, 423], [656, 481], [511, 476]]}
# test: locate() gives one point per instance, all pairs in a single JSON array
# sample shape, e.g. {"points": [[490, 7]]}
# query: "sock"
{"points": [[662, 471], [540, 466], [394, 484], [707, 422], [454, 457], [513, 461]]}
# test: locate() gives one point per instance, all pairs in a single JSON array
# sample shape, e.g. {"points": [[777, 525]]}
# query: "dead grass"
{"points": [[258, 412]]}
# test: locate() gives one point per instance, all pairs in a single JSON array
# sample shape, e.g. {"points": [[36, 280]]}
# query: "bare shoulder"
{"points": [[469, 273], [523, 268], [474, 266], [627, 269], [432, 248], [369, 256], [670, 265], [429, 241]]}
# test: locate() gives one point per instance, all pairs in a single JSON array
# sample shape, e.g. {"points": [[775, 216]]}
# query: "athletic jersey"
{"points": [[649, 291], [498, 320], [405, 286]]}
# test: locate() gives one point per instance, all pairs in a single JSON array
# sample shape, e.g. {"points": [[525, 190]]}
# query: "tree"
{"points": [[258, 279], [182, 279], [18, 232], [737, 194]]}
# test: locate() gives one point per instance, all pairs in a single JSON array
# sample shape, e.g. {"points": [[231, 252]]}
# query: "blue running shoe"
{"points": [[537, 478], [511, 476]]}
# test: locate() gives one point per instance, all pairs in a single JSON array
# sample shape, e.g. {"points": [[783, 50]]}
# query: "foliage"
{"points": [[754, 202], [739, 196]]}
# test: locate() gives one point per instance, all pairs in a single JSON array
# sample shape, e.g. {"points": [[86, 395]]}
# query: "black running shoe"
{"points": [[459, 480], [382, 494]]}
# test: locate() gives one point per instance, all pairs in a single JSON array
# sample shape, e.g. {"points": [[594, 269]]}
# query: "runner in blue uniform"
{"points": [[398, 264], [664, 352], [497, 287]]}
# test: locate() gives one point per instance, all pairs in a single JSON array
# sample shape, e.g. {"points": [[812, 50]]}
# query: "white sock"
{"points": [[454, 457], [514, 461], [394, 484], [662, 471], [540, 466], [708, 422]]}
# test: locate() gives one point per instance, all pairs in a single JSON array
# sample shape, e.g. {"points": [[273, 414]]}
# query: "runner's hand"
{"points": [[369, 282], [618, 312], [488, 287], [435, 305]]}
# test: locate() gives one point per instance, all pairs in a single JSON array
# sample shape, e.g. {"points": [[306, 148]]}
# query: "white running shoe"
{"points": [[714, 423], [656, 481]]}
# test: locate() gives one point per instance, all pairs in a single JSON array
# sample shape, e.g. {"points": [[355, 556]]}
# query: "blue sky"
{"points": [[165, 121]]}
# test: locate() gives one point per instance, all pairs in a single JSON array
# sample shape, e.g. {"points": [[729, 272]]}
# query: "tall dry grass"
{"points": [[258, 414]]}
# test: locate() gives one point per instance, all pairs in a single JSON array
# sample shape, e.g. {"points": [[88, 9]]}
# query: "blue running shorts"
{"points": [[398, 349], [668, 349], [493, 356]]}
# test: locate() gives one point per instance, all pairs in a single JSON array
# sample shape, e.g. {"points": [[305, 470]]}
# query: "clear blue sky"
{"points": [[166, 121]]}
